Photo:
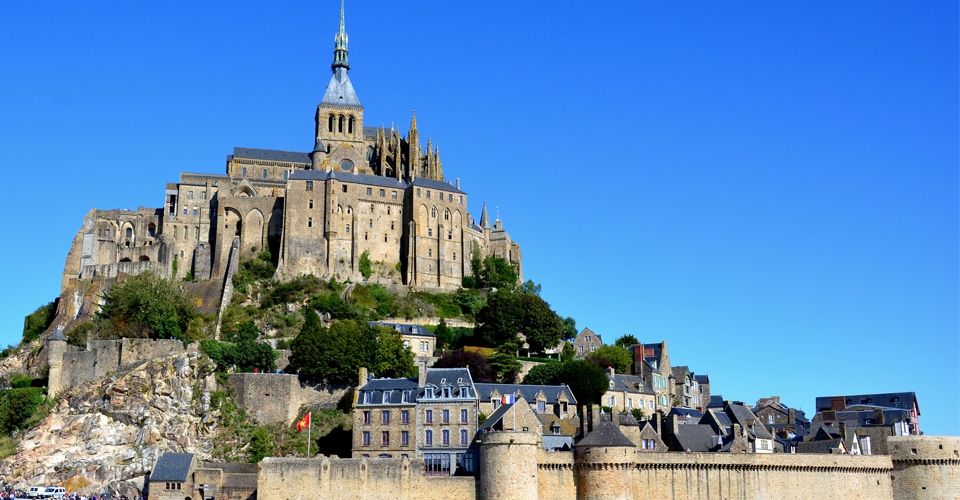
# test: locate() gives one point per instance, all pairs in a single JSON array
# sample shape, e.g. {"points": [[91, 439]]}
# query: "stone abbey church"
{"points": [[359, 190]]}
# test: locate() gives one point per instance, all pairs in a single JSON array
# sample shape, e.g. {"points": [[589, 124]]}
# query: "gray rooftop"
{"points": [[271, 155], [375, 180], [406, 329], [172, 467], [606, 434], [529, 392], [632, 384], [340, 90]]}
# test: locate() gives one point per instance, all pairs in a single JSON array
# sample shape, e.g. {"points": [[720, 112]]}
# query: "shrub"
{"points": [[38, 321]]}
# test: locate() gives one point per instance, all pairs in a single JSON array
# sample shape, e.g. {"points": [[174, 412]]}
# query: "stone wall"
{"points": [[356, 478], [105, 356], [267, 397], [925, 467]]}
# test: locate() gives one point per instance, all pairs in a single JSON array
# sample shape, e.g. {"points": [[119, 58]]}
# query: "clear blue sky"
{"points": [[771, 188]]}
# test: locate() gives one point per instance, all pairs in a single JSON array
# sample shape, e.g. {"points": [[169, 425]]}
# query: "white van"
{"points": [[53, 492], [35, 491]]}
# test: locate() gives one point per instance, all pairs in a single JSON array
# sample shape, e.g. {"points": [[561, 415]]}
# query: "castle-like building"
{"points": [[361, 191]]}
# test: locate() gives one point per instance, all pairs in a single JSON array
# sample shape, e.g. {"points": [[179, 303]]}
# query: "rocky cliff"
{"points": [[107, 435]]}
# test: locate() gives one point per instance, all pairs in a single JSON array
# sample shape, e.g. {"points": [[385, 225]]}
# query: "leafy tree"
{"points": [[330, 302], [469, 302], [611, 355], [507, 314], [335, 354], [444, 335], [530, 287], [147, 305], [505, 367], [568, 352], [544, 374], [496, 272], [261, 444], [38, 321], [625, 341], [638, 414], [586, 380], [569, 328], [365, 266], [480, 370]]}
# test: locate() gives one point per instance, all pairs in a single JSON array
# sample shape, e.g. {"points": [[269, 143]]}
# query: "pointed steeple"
{"points": [[484, 220], [340, 52]]}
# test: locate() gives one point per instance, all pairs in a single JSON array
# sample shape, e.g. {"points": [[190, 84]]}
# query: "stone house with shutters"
{"points": [[586, 342]]}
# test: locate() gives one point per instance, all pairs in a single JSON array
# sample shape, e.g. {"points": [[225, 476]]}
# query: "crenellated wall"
{"points": [[920, 467], [267, 397]]}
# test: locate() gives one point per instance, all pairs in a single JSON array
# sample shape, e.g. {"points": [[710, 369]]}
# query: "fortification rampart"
{"points": [[356, 478], [267, 397], [925, 467], [104, 356]]}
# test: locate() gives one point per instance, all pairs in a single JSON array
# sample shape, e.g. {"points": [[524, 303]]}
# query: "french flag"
{"points": [[507, 399]]}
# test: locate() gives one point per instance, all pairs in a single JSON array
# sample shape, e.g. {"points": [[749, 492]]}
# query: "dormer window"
{"points": [[387, 396], [428, 392], [366, 397]]}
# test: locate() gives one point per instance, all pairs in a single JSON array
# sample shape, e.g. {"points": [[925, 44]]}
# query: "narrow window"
{"points": [[340, 124], [371, 222], [366, 418], [385, 438], [369, 191], [350, 125], [446, 416], [364, 235], [463, 437], [310, 205], [418, 192], [366, 438], [405, 416], [393, 194], [330, 124], [348, 228], [404, 438], [429, 252], [428, 415], [430, 231], [190, 195], [384, 238], [463, 415], [344, 188], [428, 193], [454, 255], [264, 173], [309, 221], [386, 417], [391, 225], [428, 437], [433, 213], [243, 172], [446, 437], [383, 193]]}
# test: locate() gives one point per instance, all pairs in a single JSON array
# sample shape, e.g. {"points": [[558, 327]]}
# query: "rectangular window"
{"points": [[203, 195], [446, 416], [436, 464], [383, 193], [613, 401], [190, 195], [541, 406], [463, 415], [418, 192], [428, 193], [460, 200], [385, 438], [446, 437], [185, 212], [309, 185], [428, 416], [369, 191], [393, 194], [194, 210], [428, 437], [404, 416], [441, 196], [344, 188], [371, 222], [310, 205], [366, 418], [366, 438], [386, 417], [463, 437], [309, 221], [404, 438]]}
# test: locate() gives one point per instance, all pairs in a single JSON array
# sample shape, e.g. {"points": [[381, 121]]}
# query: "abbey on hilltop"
{"points": [[361, 192]]}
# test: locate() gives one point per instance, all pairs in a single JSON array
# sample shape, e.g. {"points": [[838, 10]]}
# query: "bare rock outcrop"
{"points": [[107, 435]]}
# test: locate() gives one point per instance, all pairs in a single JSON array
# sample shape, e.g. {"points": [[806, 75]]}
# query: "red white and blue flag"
{"points": [[507, 399]]}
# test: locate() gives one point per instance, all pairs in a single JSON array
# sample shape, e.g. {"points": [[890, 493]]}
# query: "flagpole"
{"points": [[309, 425]]}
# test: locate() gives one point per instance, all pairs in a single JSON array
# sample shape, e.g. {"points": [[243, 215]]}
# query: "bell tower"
{"points": [[339, 144]]}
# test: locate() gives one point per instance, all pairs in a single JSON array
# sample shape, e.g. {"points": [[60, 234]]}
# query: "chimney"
{"points": [[657, 425], [791, 416], [362, 379], [422, 374], [611, 372]]}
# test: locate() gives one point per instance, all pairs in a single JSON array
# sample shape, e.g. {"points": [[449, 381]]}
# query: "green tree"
{"points": [[365, 266], [505, 367], [507, 314], [586, 380], [480, 370], [444, 335], [391, 358], [544, 374], [569, 328], [497, 273], [308, 347], [568, 351], [38, 321], [530, 287], [611, 355], [147, 305], [626, 340]]}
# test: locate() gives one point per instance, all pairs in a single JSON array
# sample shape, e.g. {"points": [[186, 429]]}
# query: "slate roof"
{"points": [[903, 400], [685, 412], [529, 392], [373, 180], [632, 384], [822, 446], [172, 467], [702, 379], [406, 329], [697, 438], [747, 420], [340, 90], [558, 443], [455, 378], [606, 434], [494, 418], [271, 154], [394, 387]]}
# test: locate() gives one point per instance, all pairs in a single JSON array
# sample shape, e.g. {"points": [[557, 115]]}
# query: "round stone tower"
{"points": [[606, 464], [925, 466], [508, 466], [56, 346]]}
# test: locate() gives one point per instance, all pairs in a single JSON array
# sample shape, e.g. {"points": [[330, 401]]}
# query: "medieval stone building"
{"points": [[359, 190]]}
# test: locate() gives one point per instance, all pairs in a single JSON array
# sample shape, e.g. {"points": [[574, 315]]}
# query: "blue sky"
{"points": [[772, 189]]}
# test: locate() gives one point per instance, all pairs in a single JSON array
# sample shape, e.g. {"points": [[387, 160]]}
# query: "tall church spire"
{"points": [[340, 52]]}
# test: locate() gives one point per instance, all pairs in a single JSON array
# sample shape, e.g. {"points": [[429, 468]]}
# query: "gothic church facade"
{"points": [[359, 190]]}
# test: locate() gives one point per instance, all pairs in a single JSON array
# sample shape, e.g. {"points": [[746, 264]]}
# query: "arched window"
{"points": [[129, 233], [349, 210], [330, 124], [433, 212], [152, 230], [264, 173], [429, 231], [243, 172], [454, 255], [340, 124], [350, 125], [446, 215], [348, 228]]}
